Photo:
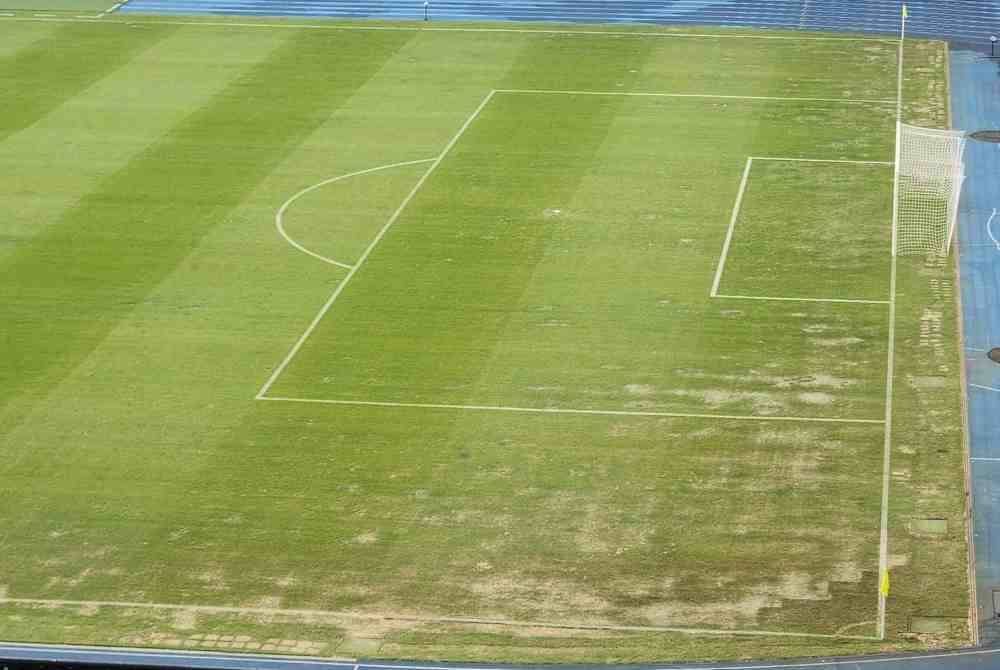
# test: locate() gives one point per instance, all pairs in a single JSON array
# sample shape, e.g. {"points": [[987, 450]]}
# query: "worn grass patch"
{"points": [[559, 257]]}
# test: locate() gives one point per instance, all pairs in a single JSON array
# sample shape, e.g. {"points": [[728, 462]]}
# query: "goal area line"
{"points": [[734, 218]]}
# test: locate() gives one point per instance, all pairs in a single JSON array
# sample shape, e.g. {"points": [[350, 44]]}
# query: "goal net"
{"points": [[930, 175]]}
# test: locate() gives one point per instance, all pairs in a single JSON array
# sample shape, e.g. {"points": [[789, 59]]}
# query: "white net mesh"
{"points": [[930, 182]]}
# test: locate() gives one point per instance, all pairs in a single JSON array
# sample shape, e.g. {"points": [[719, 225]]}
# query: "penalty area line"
{"points": [[718, 96], [371, 247], [560, 410]]}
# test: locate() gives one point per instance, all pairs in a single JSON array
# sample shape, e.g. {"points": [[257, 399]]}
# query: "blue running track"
{"points": [[976, 105], [964, 20]]}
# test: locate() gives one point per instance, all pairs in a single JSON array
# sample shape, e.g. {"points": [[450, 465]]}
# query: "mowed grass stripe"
{"points": [[67, 288], [110, 123], [15, 36], [57, 5], [441, 286], [39, 77]]}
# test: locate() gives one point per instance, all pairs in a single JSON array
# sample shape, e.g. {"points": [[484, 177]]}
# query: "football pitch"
{"points": [[471, 343]]}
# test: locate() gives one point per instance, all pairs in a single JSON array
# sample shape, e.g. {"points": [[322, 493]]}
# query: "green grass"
{"points": [[840, 204], [88, 7], [560, 255]]}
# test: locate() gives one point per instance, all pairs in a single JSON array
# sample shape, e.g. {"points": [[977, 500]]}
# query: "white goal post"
{"points": [[930, 172]]}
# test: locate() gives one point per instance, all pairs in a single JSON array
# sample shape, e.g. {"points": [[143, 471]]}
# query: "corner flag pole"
{"points": [[883, 558]]}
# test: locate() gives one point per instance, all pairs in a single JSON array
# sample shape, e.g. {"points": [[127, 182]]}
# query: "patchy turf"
{"points": [[558, 257]]}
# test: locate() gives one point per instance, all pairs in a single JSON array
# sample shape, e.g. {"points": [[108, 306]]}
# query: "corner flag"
{"points": [[883, 588], [906, 14]]}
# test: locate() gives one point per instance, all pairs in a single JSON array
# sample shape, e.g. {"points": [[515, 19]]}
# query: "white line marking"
{"points": [[46, 16], [610, 33], [13, 14], [558, 410], [769, 297], [819, 160], [989, 229], [650, 94], [883, 547], [714, 293], [732, 227], [222, 609], [842, 629], [984, 388], [979, 458], [975, 349], [371, 247], [112, 8], [279, 217]]}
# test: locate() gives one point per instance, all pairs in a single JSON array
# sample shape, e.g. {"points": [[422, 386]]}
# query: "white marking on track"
{"points": [[989, 229], [279, 216], [558, 410], [984, 388]]}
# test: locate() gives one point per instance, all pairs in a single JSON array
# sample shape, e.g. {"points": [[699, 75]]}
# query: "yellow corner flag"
{"points": [[883, 588], [906, 14]]}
